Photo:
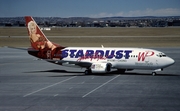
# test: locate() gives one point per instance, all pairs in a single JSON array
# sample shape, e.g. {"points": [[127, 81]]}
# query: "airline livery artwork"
{"points": [[94, 59], [46, 49]]}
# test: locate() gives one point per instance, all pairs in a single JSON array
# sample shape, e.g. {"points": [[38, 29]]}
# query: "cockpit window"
{"points": [[164, 55], [161, 55]]}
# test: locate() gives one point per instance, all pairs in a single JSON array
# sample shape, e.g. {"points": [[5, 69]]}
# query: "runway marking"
{"points": [[56, 95], [100, 86], [48, 86], [70, 88]]}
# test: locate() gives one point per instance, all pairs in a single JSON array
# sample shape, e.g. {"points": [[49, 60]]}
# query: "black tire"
{"points": [[87, 72]]}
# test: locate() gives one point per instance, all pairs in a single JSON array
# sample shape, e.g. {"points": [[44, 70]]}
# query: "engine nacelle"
{"points": [[100, 67]]}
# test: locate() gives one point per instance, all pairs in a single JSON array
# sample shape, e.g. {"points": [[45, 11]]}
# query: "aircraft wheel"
{"points": [[153, 73], [87, 72]]}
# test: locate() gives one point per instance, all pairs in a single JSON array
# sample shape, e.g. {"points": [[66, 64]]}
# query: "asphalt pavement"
{"points": [[28, 84]]}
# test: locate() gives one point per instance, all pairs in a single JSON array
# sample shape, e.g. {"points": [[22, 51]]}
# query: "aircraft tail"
{"points": [[44, 48]]}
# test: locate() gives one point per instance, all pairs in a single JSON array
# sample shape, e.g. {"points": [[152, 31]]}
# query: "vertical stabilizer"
{"points": [[37, 38], [39, 42]]}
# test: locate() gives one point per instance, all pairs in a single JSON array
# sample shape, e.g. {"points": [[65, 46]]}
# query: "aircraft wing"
{"points": [[17, 48], [60, 62]]}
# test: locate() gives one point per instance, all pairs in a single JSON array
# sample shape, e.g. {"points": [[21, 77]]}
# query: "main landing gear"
{"points": [[88, 71]]}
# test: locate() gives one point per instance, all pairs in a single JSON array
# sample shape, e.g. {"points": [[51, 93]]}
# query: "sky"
{"points": [[89, 8]]}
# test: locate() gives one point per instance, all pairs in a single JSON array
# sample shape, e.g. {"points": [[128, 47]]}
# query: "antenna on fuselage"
{"points": [[102, 46]]}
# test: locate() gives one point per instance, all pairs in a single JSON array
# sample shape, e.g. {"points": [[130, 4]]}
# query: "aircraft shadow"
{"points": [[148, 74], [72, 73], [78, 73]]}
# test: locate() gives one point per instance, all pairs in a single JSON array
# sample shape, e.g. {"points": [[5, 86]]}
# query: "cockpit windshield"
{"points": [[161, 55]]}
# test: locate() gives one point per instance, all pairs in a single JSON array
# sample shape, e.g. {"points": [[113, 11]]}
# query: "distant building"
{"points": [[176, 23], [46, 28], [147, 21]]}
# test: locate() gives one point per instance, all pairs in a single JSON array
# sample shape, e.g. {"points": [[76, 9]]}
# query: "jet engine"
{"points": [[100, 67]]}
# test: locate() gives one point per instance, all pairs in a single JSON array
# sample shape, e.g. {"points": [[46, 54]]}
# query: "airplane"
{"points": [[94, 59]]}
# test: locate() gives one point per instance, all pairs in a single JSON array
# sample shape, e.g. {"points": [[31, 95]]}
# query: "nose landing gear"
{"points": [[154, 72]]}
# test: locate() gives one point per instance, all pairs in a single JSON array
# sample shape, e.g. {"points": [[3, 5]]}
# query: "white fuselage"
{"points": [[94, 59], [120, 58]]}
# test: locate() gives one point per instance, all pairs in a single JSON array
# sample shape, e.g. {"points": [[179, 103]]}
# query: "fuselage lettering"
{"points": [[96, 54], [142, 55]]}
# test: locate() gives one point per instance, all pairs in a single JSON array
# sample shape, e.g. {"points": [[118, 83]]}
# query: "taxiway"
{"points": [[27, 84]]}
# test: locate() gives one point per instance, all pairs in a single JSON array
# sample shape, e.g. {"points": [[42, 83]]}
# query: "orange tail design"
{"points": [[37, 38], [39, 42]]}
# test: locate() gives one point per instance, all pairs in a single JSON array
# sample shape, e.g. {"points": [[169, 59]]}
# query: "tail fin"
{"points": [[37, 38], [39, 42]]}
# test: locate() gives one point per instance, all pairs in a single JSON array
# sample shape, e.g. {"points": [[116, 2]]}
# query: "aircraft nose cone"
{"points": [[171, 61]]}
